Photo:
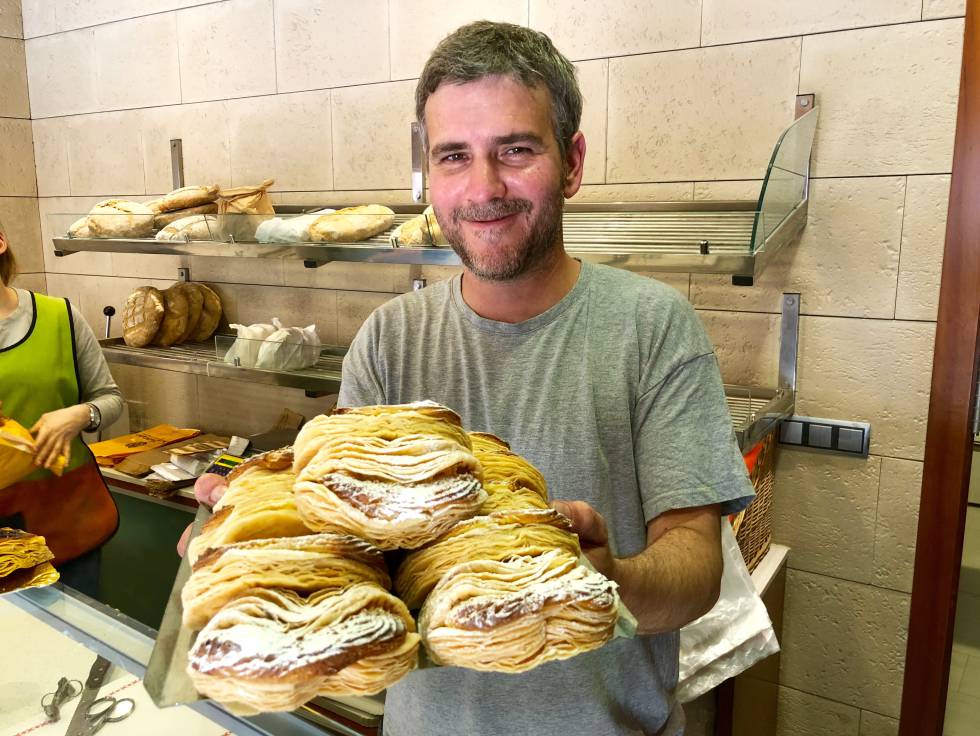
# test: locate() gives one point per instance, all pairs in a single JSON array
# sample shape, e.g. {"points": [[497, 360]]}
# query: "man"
{"points": [[603, 379]]}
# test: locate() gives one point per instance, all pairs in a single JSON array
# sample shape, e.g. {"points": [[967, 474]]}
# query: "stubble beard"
{"points": [[505, 264]]}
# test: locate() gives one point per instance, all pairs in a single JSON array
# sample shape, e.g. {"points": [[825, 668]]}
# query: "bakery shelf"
{"points": [[731, 237], [200, 358], [756, 411]]}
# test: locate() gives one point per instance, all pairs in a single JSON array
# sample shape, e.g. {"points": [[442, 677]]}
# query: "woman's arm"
{"points": [[97, 384]]}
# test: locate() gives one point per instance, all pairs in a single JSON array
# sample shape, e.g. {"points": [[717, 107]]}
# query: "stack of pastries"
{"points": [[505, 591], [289, 585], [25, 561], [286, 614]]}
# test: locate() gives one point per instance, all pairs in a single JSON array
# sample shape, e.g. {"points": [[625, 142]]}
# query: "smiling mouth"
{"points": [[493, 221]]}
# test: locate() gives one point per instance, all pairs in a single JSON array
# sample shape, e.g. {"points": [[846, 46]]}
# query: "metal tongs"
{"points": [[52, 702]]}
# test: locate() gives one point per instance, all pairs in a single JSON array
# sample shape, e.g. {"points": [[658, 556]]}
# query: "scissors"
{"points": [[106, 710], [52, 702]]}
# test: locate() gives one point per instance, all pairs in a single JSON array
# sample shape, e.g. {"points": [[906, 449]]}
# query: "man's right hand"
{"points": [[208, 489]]}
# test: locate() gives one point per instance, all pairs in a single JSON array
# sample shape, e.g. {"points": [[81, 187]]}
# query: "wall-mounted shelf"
{"points": [[731, 237], [200, 358], [755, 411]]}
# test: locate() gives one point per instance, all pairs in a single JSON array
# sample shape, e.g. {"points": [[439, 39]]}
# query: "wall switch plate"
{"points": [[830, 435]]}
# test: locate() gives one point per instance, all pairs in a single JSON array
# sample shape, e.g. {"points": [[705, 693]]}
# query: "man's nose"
{"points": [[485, 182]]}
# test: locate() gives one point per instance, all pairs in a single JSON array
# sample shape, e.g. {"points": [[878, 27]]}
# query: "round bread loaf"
{"points": [[120, 218], [79, 228], [195, 307], [175, 315], [351, 224], [210, 315], [421, 230], [142, 316]]}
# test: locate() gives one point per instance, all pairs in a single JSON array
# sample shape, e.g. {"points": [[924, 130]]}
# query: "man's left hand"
{"points": [[592, 532], [54, 433]]}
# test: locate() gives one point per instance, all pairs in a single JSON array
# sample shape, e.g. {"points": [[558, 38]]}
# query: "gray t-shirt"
{"points": [[615, 395]]}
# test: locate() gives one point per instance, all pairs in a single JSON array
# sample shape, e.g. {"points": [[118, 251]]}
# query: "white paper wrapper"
{"points": [[729, 638]]}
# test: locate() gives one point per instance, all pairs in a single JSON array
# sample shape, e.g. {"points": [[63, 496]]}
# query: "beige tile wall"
{"points": [[18, 184], [683, 100]]}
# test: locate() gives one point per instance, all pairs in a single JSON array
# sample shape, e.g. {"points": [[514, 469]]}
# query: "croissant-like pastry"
{"points": [[273, 650], [495, 537], [304, 564], [398, 476], [514, 615], [258, 504], [20, 550]]}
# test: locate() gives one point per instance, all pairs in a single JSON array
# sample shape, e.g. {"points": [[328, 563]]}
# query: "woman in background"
{"points": [[55, 381]]}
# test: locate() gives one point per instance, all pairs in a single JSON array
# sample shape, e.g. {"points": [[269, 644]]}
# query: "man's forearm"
{"points": [[673, 581]]}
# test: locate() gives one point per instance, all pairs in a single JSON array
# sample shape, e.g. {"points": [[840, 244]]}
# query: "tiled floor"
{"points": [[963, 701]]}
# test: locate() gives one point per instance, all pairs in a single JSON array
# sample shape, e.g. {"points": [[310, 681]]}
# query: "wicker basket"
{"points": [[753, 525]]}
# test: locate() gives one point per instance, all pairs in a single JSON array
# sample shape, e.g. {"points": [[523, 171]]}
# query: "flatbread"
{"points": [[352, 224], [142, 316], [175, 316], [210, 315]]}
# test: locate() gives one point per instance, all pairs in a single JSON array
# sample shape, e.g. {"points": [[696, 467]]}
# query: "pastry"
{"points": [[421, 230], [195, 306], [495, 537], [304, 564], [257, 505], [511, 482], [194, 196], [20, 549], [30, 577], [194, 227], [120, 218], [513, 615], [398, 476], [210, 315], [175, 315], [273, 650], [163, 219], [351, 224], [142, 316]]}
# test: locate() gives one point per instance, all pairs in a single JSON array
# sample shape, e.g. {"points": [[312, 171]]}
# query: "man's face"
{"points": [[495, 174]]}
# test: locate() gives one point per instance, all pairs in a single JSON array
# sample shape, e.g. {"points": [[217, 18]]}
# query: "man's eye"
{"points": [[453, 157], [517, 150]]}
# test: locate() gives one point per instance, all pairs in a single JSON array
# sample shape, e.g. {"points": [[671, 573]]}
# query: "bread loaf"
{"points": [[175, 316], [195, 227], [120, 218], [142, 316], [421, 230], [162, 220], [181, 199], [241, 210], [195, 307], [352, 224], [210, 315], [79, 228]]}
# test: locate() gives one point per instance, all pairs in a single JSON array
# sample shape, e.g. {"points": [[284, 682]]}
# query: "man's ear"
{"points": [[3, 243], [574, 165]]}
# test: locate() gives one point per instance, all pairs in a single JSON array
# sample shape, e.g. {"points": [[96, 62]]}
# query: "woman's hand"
{"points": [[54, 432]]}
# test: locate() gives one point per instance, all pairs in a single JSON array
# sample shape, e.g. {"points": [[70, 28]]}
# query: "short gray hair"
{"points": [[484, 49]]}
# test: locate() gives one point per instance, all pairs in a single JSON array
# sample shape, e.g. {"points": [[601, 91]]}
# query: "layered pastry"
{"points": [[513, 615], [25, 561], [257, 505], [306, 564], [494, 537], [273, 650], [399, 476], [511, 482]]}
